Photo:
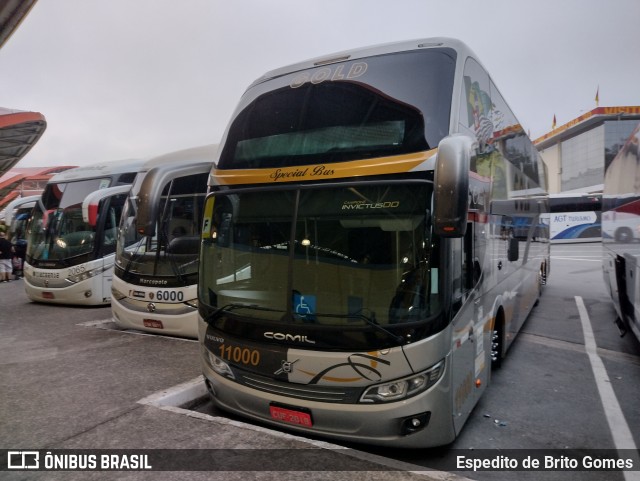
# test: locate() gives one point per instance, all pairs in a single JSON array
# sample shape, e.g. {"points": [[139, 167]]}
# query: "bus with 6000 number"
{"points": [[156, 266], [358, 272]]}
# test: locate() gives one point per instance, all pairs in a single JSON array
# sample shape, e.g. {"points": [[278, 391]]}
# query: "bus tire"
{"points": [[624, 235], [542, 281], [497, 340]]}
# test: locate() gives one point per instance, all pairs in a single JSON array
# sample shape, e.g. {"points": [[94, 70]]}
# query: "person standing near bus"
{"points": [[6, 253]]}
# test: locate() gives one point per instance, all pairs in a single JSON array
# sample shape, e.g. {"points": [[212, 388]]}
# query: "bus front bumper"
{"points": [[383, 424], [169, 319]]}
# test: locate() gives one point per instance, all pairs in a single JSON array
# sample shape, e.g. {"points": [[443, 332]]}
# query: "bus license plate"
{"points": [[290, 416], [155, 324]]}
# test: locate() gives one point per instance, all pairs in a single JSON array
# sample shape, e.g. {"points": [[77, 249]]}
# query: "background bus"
{"points": [[156, 272], [17, 216], [72, 234], [357, 275], [575, 218], [621, 232]]}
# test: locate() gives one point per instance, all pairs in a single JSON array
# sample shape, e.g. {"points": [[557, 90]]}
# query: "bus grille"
{"points": [[302, 391]]}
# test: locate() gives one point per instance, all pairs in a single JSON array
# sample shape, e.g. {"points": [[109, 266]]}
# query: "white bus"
{"points": [[17, 214], [359, 274], [71, 237], [156, 272], [575, 217], [621, 233]]}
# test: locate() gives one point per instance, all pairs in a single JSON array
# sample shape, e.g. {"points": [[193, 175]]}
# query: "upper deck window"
{"points": [[373, 107]]}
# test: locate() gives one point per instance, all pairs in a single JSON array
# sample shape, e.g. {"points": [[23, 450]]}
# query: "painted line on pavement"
{"points": [[620, 432]]}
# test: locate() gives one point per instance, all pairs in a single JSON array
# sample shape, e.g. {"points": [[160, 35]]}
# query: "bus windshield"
{"points": [[172, 253], [58, 232], [357, 258], [344, 111]]}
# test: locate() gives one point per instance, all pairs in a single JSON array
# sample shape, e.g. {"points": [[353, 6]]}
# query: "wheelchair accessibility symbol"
{"points": [[304, 306]]}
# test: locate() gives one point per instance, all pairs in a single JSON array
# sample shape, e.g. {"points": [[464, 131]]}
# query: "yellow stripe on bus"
{"points": [[383, 165]]}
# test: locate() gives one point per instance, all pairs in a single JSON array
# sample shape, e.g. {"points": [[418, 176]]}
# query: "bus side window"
{"points": [[465, 268]]}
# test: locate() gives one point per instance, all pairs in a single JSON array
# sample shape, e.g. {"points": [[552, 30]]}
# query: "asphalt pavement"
{"points": [[73, 391]]}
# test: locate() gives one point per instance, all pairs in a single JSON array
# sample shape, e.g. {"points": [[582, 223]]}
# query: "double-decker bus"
{"points": [[72, 234], [358, 276], [156, 266], [621, 233], [575, 217]]}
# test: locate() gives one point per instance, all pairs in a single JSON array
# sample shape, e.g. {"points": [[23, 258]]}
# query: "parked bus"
{"points": [[575, 218], [156, 267], [72, 234], [17, 215], [621, 232], [357, 274]]}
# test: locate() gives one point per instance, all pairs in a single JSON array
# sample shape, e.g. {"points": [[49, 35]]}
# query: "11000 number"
{"points": [[240, 355], [175, 296]]}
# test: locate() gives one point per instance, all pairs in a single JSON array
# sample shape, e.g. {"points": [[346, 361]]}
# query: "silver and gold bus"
{"points": [[156, 266], [359, 272]]}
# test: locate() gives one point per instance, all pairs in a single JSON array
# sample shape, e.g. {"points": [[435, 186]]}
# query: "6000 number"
{"points": [[175, 296]]}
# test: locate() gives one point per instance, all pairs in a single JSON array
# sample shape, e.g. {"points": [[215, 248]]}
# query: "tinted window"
{"points": [[372, 107]]}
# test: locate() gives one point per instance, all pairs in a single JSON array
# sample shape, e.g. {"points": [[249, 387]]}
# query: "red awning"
{"points": [[19, 131]]}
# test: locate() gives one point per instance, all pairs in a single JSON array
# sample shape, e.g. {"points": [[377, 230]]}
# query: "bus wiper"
{"points": [[369, 320], [232, 307]]}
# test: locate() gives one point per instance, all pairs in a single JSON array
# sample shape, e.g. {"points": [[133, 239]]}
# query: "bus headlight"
{"points": [[218, 364], [405, 387], [192, 303], [116, 294]]}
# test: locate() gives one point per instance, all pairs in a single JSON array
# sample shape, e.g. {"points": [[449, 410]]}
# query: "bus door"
{"points": [[469, 355], [102, 210]]}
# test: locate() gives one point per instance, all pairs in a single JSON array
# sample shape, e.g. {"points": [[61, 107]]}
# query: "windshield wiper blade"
{"points": [[369, 320], [233, 306]]}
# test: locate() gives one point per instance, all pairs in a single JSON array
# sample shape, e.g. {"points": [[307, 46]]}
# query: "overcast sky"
{"points": [[120, 79]]}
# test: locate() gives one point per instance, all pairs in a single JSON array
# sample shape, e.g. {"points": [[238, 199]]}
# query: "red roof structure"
{"points": [[22, 182], [19, 131]]}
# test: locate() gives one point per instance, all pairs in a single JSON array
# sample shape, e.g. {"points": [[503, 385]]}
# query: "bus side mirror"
{"points": [[451, 190]]}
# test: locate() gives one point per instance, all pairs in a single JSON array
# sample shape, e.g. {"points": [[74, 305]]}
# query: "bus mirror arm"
{"points": [[451, 186]]}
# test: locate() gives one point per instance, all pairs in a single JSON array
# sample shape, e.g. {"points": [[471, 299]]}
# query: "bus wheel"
{"points": [[542, 281], [497, 340]]}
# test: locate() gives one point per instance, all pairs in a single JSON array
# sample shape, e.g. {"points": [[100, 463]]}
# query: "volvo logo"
{"points": [[151, 307], [287, 367]]}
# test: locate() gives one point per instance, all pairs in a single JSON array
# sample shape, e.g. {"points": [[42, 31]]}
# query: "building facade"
{"points": [[578, 153]]}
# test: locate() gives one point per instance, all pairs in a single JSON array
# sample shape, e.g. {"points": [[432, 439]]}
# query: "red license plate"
{"points": [[153, 323], [291, 416]]}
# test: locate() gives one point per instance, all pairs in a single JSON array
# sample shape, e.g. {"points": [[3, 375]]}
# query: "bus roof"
{"points": [[7, 214], [204, 153], [370, 51], [98, 170]]}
